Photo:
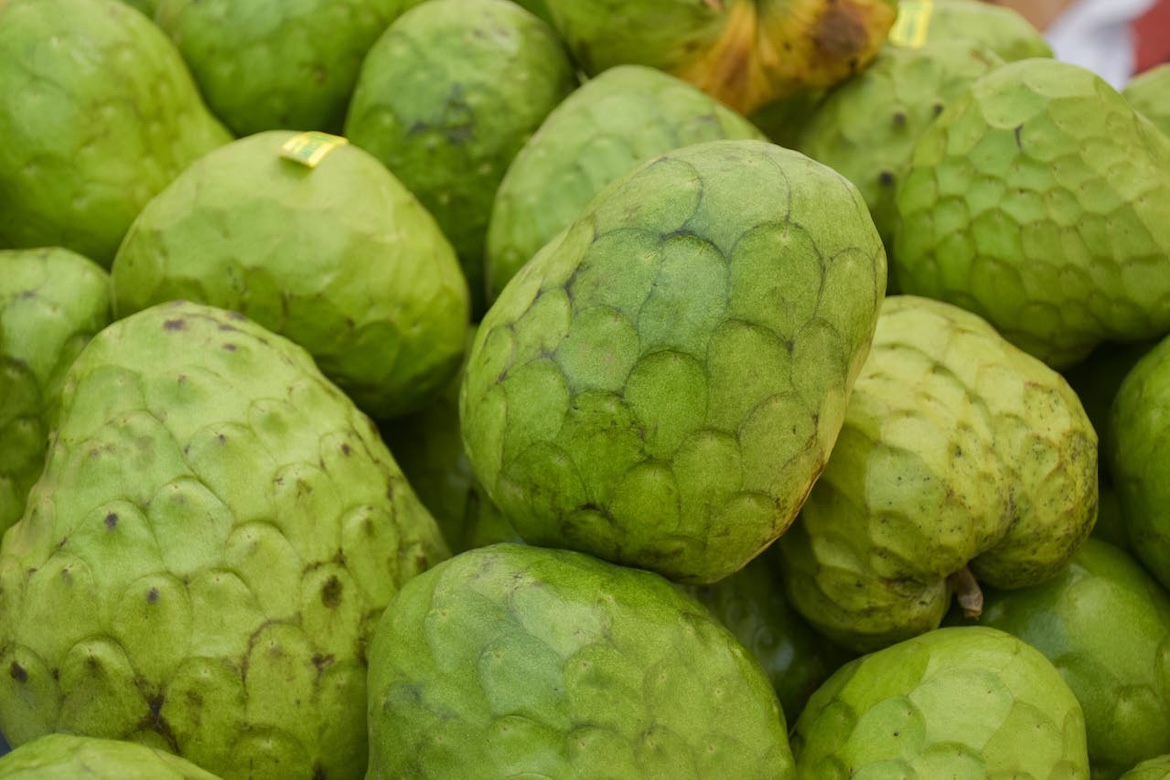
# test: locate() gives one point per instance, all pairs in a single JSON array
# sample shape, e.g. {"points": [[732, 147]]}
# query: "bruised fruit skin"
{"points": [[98, 112], [1105, 624], [517, 661], [340, 258], [74, 757], [446, 98], [964, 703], [276, 64], [52, 301], [603, 130], [959, 453], [1038, 200], [662, 382], [745, 53], [205, 557]]}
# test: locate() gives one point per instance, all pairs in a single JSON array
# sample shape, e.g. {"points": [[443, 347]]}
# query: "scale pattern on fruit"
{"points": [[662, 383]]}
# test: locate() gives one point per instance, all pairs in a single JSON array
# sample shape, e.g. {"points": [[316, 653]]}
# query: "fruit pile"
{"points": [[579, 388]]}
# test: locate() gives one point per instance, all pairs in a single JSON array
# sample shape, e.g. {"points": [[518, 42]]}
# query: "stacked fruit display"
{"points": [[579, 388]]}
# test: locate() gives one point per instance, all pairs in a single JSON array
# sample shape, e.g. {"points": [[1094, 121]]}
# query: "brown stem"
{"points": [[967, 591]]}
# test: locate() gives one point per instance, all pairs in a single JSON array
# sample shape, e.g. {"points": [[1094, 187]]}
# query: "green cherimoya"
{"points": [[606, 128], [201, 564], [75, 757], [1038, 200], [98, 113], [960, 455], [662, 383], [1150, 769], [340, 258], [1138, 457], [517, 661], [1104, 622], [277, 64], [447, 97], [1149, 94], [52, 301], [866, 127], [997, 27], [962, 703]]}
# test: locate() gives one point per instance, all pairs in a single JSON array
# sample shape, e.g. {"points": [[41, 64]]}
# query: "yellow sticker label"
{"points": [[912, 23], [310, 148]]}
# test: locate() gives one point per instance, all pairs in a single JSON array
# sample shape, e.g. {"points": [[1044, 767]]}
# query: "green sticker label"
{"points": [[912, 23], [310, 148]]}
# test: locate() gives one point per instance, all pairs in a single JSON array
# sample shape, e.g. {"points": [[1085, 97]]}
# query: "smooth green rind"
{"points": [[866, 127], [661, 384], [751, 603], [52, 301], [1105, 624], [958, 449], [73, 757], [997, 27], [447, 97], [280, 64], [1149, 93], [964, 703], [1153, 769], [1138, 457], [98, 113], [1038, 200], [216, 532], [341, 259], [606, 128], [516, 661]]}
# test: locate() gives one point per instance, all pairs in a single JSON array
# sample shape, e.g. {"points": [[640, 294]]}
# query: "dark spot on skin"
{"points": [[839, 33], [322, 662], [28, 294], [1019, 144], [111, 521], [221, 438], [346, 450], [319, 773], [175, 325], [331, 593], [152, 596], [899, 119], [17, 672], [229, 347], [886, 178], [937, 108]]}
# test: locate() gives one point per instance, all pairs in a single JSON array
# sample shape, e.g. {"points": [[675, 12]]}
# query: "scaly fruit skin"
{"points": [[996, 27], [516, 661], [1038, 200], [745, 53], [1105, 624], [1138, 457], [206, 555], [1149, 93], [751, 603], [52, 301], [98, 113], [866, 127], [73, 757], [341, 259], [662, 383], [958, 450], [447, 97], [280, 64], [606, 128], [964, 703]]}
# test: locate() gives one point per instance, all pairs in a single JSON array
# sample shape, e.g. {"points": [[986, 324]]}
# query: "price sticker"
{"points": [[310, 148], [912, 23]]}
